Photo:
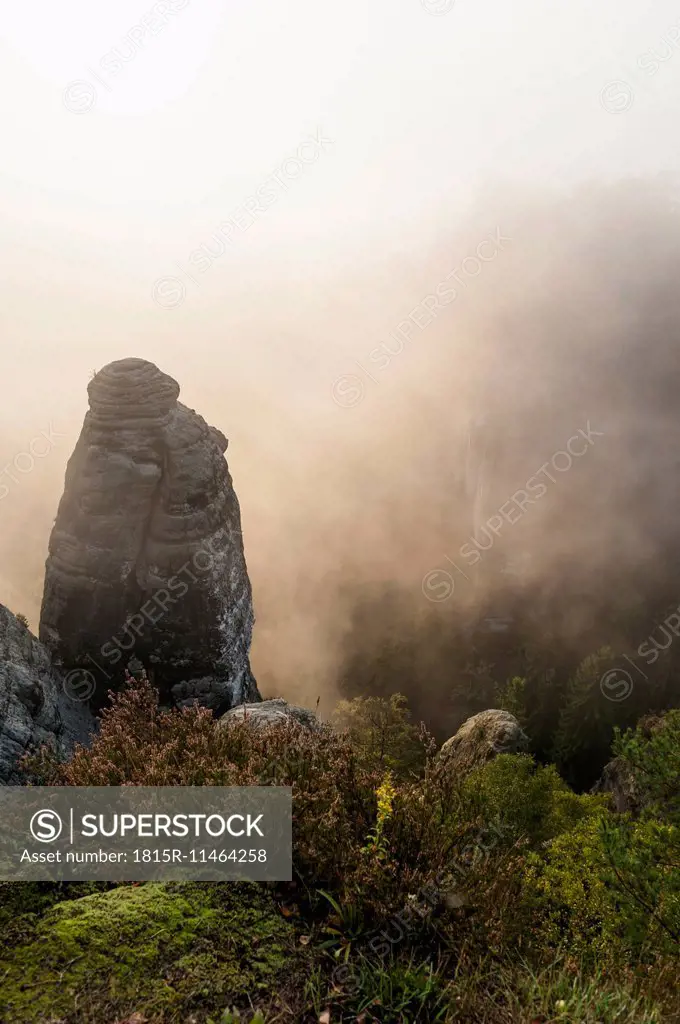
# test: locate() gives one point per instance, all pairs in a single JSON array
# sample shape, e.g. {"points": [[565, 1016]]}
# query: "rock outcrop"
{"points": [[619, 780], [35, 708], [146, 555], [271, 712], [481, 738]]}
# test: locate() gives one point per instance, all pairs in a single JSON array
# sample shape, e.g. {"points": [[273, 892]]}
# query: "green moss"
{"points": [[21, 903], [158, 949]]}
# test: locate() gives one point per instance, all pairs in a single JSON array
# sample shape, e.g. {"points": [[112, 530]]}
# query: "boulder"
{"points": [[271, 712], [35, 707], [483, 737], [146, 555]]}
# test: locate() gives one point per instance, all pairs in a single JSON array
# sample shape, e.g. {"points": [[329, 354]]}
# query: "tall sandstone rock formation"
{"points": [[146, 556]]}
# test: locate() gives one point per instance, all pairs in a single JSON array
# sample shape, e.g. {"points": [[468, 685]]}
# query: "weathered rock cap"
{"points": [[271, 712], [483, 737], [131, 388]]}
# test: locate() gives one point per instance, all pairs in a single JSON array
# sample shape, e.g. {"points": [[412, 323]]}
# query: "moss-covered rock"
{"points": [[22, 902], [170, 952]]}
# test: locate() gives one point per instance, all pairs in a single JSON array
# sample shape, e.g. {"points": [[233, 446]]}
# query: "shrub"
{"points": [[381, 732], [139, 744], [652, 752], [643, 858], [529, 800], [644, 855], [610, 886], [568, 900], [605, 892], [366, 839]]}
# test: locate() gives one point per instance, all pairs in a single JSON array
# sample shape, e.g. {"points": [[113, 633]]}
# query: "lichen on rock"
{"points": [[481, 738], [271, 712]]}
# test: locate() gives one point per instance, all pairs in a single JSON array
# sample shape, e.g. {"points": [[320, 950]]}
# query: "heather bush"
{"points": [[140, 744], [400, 864]]}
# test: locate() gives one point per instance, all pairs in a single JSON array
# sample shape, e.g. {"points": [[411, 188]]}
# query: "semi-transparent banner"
{"points": [[139, 833]]}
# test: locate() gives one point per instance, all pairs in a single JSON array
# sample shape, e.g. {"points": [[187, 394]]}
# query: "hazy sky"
{"points": [[131, 131], [421, 108], [129, 136]]}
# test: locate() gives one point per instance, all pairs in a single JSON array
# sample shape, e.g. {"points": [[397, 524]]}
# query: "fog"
{"points": [[476, 258]]}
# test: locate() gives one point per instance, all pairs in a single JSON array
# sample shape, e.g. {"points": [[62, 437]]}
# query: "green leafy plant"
{"points": [[652, 753], [529, 800], [343, 929], [606, 888], [382, 734], [643, 855], [385, 794]]}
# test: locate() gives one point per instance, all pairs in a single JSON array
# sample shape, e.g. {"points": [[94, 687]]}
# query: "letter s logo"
{"points": [[46, 826]]}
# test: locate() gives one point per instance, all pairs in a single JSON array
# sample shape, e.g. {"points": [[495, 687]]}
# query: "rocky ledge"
{"points": [[35, 708]]}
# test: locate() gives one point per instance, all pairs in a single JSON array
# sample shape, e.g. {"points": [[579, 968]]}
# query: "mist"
{"points": [[431, 309]]}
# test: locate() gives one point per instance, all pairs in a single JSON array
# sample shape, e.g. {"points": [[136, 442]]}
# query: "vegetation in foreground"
{"points": [[498, 897]]}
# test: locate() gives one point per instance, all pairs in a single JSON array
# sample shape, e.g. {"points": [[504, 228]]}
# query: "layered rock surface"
{"points": [[34, 706], [146, 555], [272, 712]]}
